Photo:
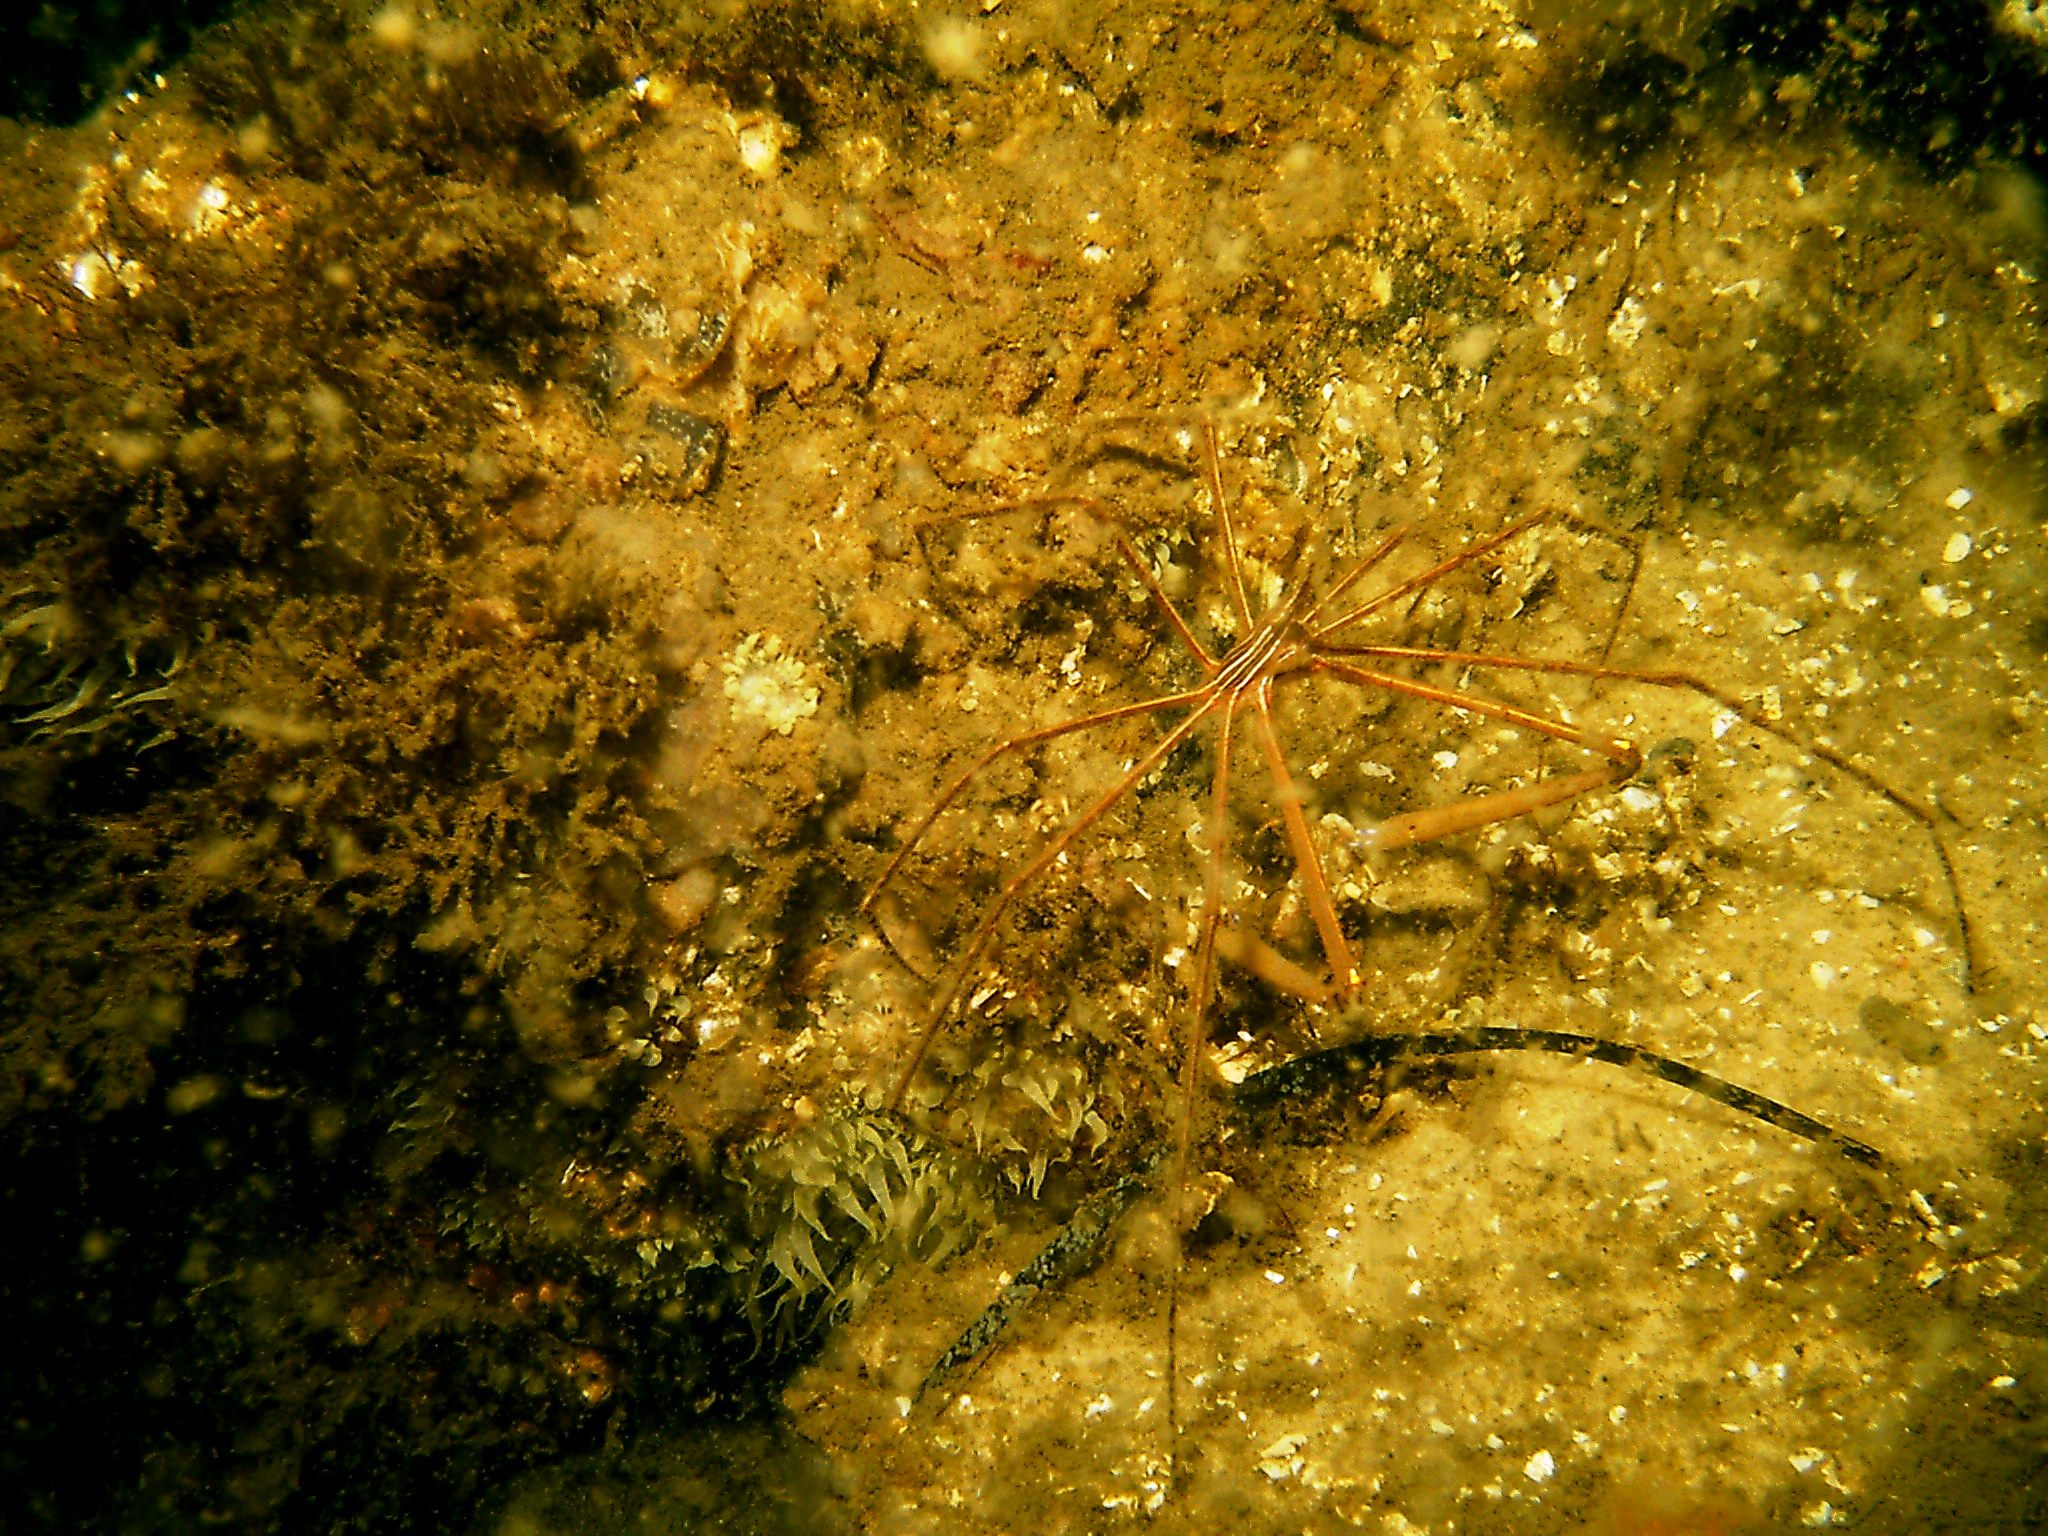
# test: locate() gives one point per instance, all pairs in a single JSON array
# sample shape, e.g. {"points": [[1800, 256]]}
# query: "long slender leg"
{"points": [[1320, 904], [1352, 576], [1929, 816], [1617, 749], [1248, 952], [1191, 1051], [1324, 630], [984, 930], [1212, 471], [1435, 822], [1411, 828], [1441, 821], [1654, 678], [1434, 574], [1014, 744]]}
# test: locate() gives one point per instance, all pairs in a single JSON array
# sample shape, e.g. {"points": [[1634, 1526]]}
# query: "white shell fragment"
{"points": [[1282, 1459]]}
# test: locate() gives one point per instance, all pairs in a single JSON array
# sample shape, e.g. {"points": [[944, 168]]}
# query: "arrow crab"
{"points": [[1265, 634]]}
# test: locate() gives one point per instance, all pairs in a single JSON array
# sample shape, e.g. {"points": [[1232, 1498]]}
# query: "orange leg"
{"points": [[1322, 907], [1324, 629], [1040, 862], [1212, 472], [1928, 815], [1038, 737], [1191, 1047]]}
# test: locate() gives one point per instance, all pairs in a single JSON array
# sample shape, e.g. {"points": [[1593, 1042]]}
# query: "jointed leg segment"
{"points": [[1295, 640]]}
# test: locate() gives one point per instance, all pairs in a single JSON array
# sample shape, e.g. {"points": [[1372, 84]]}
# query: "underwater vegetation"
{"points": [[309, 665], [486, 581]]}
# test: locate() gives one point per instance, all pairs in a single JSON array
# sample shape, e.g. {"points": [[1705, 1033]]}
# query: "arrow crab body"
{"points": [[1352, 633]]}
